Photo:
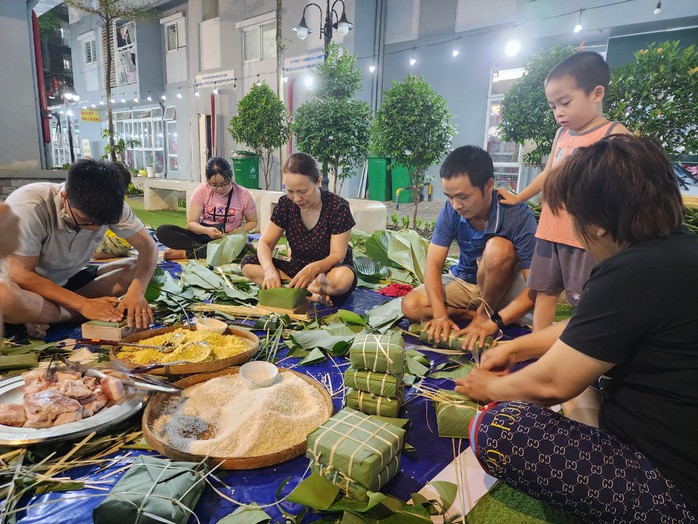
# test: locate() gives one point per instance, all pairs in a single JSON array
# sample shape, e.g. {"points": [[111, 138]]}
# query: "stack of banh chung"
{"points": [[356, 452], [375, 375]]}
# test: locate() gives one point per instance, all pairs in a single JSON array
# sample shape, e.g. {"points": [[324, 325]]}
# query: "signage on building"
{"points": [[89, 115], [215, 79], [86, 149], [298, 64]]}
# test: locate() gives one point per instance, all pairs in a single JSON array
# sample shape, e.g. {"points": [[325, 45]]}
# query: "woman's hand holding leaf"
{"points": [[305, 276], [476, 384], [214, 233], [271, 279]]}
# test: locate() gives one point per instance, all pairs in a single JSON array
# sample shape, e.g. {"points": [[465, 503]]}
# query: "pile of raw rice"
{"points": [[222, 417]]}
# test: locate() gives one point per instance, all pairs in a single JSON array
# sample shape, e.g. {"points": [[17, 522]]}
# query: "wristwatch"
{"points": [[497, 319]]}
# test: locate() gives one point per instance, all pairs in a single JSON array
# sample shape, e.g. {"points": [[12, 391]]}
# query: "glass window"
{"points": [[268, 40], [175, 36], [172, 148], [251, 44], [90, 52], [209, 9], [126, 70], [259, 42], [146, 127]]}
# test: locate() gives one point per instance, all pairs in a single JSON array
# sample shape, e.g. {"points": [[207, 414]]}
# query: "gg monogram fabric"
{"points": [[579, 468]]}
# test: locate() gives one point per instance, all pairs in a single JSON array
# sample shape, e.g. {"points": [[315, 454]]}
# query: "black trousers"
{"points": [[176, 237]]}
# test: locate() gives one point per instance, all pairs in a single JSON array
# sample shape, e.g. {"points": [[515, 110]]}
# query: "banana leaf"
{"points": [[346, 317], [320, 338], [454, 413], [283, 297], [377, 246], [358, 445], [196, 274], [370, 269], [409, 250], [383, 384], [251, 514], [353, 489], [225, 250], [148, 488], [381, 353], [375, 404], [27, 360], [381, 318], [452, 342]]}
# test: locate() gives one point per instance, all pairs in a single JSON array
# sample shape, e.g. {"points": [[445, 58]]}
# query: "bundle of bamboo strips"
{"points": [[244, 311]]}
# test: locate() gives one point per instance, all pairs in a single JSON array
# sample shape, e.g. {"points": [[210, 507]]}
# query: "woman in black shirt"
{"points": [[635, 331]]}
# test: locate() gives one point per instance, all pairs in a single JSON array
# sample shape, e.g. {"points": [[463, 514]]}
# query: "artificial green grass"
{"points": [[157, 218], [506, 504]]}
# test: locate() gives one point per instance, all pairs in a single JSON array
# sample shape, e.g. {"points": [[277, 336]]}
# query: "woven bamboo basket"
{"points": [[156, 405], [200, 367]]}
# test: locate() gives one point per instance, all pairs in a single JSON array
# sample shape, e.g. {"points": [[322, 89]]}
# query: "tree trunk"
{"points": [[280, 78], [107, 86]]}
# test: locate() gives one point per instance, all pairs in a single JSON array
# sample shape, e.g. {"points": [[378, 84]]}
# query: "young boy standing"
{"points": [[575, 90]]}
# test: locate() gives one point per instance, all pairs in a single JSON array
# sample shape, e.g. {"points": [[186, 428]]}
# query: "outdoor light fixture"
{"points": [[196, 93], [578, 27], [135, 98], [658, 9], [215, 91], [342, 25], [455, 52], [371, 68], [123, 100], [150, 98], [413, 60], [512, 48], [164, 97]]}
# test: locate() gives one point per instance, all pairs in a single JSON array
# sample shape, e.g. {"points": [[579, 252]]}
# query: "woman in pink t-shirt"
{"points": [[217, 207]]}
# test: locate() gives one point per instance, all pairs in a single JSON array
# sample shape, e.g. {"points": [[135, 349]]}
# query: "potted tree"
{"points": [[333, 126], [657, 96], [262, 123], [413, 127], [150, 165], [526, 118]]}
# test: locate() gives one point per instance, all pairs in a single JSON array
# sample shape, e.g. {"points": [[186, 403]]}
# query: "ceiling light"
{"points": [[579, 26], [658, 9]]}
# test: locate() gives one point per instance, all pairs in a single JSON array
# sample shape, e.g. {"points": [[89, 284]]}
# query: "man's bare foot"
{"points": [[174, 254], [35, 330], [324, 300]]}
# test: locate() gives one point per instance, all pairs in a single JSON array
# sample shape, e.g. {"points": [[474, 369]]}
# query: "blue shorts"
{"points": [[558, 267]]}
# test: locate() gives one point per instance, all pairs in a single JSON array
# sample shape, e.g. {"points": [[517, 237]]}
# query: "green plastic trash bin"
{"points": [[379, 186], [401, 179], [246, 169]]}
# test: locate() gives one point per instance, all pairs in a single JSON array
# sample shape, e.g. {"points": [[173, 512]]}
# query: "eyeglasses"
{"points": [[75, 220], [220, 186]]}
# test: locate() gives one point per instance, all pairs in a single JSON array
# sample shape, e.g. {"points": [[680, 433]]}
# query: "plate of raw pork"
{"points": [[65, 404]]}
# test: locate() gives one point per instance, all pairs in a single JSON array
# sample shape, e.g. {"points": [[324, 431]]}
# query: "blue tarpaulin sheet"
{"points": [[431, 453]]}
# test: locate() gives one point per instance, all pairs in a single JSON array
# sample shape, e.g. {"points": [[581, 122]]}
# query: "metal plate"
{"points": [[12, 392]]}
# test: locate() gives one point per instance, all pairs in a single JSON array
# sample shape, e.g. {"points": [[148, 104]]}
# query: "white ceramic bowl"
{"points": [[259, 374], [211, 324]]}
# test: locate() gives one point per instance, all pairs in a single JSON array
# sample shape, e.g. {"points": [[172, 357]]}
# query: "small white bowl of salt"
{"points": [[210, 324], [259, 374]]}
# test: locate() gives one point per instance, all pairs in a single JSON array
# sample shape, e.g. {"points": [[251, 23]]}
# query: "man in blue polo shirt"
{"points": [[496, 245]]}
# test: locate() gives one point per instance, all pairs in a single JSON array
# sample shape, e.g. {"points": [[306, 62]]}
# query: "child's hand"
{"points": [[507, 198]]}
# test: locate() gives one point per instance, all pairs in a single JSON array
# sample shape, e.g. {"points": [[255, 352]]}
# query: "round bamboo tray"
{"points": [[190, 369], [155, 406]]}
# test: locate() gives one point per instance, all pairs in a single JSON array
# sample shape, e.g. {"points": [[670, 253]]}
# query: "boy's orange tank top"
{"points": [[559, 228]]}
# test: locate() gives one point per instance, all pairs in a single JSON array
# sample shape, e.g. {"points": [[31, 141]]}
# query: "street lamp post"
{"points": [[69, 97], [342, 25]]}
